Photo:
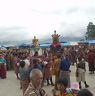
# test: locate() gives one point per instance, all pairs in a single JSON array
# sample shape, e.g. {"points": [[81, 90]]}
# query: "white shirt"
{"points": [[27, 63]]}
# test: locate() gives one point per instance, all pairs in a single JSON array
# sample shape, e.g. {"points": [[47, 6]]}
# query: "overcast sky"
{"points": [[23, 19]]}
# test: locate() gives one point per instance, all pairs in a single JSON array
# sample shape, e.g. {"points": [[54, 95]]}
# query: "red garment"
{"points": [[91, 61], [2, 72], [91, 57]]}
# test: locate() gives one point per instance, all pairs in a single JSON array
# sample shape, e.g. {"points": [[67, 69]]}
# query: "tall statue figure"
{"points": [[35, 42], [55, 46], [55, 38]]}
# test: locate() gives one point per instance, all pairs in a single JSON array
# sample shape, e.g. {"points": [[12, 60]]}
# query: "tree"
{"points": [[90, 34]]}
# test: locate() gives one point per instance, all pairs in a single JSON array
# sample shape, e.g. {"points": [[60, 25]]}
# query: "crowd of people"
{"points": [[33, 70]]}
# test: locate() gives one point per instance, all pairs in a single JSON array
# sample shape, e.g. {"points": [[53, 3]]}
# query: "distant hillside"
{"points": [[62, 39], [47, 40], [15, 42]]}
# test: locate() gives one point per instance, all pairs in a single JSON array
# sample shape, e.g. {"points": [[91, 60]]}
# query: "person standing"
{"points": [[56, 68], [2, 67], [65, 68], [24, 76], [80, 72], [73, 54], [91, 61], [47, 69]]}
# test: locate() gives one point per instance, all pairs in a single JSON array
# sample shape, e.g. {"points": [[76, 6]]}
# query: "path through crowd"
{"points": [[11, 86]]}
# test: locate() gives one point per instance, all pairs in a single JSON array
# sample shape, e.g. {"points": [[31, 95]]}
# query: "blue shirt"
{"points": [[65, 64]]}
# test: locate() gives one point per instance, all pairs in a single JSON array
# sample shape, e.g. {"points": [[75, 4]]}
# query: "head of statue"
{"points": [[54, 31], [34, 37]]}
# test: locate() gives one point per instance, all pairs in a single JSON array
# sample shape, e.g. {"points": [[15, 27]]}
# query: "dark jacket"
{"points": [[81, 64], [65, 64]]}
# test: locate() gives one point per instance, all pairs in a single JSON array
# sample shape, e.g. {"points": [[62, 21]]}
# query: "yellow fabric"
{"points": [[56, 66]]}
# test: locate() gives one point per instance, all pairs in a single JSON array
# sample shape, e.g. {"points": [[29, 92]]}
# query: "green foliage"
{"points": [[90, 34]]}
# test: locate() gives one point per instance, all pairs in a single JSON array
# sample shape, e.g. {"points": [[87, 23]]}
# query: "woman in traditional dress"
{"points": [[2, 67], [91, 61]]}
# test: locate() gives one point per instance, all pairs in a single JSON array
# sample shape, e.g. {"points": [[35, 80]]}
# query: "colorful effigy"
{"points": [[55, 46], [35, 43], [56, 53]]}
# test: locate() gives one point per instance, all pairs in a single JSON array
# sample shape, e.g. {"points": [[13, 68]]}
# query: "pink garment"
{"points": [[2, 71]]}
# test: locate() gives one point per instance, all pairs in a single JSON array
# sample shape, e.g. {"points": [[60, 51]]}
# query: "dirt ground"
{"points": [[11, 86]]}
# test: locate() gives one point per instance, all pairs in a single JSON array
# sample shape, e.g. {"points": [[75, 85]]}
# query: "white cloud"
{"points": [[42, 17]]}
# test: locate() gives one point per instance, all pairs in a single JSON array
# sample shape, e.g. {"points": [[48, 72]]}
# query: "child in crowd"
{"points": [[47, 73], [3, 68], [62, 85]]}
